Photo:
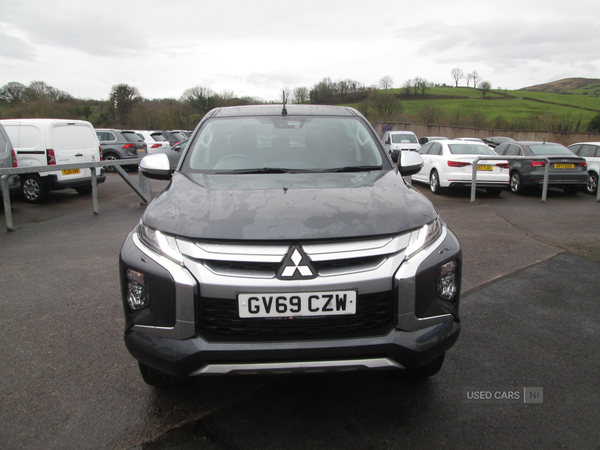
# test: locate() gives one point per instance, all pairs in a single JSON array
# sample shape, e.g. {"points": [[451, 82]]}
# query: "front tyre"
{"points": [[33, 189], [434, 182], [592, 183]]}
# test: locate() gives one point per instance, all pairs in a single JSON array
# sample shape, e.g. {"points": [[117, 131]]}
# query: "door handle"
{"points": [[79, 154]]}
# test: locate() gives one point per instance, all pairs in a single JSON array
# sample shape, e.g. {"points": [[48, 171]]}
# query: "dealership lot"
{"points": [[530, 315]]}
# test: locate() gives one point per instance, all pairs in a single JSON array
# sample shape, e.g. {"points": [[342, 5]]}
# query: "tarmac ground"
{"points": [[531, 331]]}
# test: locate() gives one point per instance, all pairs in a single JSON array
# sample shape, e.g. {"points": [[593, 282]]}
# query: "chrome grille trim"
{"points": [[259, 254]]}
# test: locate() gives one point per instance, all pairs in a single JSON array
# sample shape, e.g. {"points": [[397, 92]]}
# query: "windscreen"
{"points": [[288, 143], [470, 149], [404, 138]]}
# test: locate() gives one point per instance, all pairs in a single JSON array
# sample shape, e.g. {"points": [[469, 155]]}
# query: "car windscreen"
{"points": [[284, 143], [470, 149], [550, 149], [404, 138]]}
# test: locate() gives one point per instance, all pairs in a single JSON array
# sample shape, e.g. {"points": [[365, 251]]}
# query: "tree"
{"points": [[301, 94], [13, 93], [484, 86], [84, 111], [323, 91], [457, 75], [386, 82], [124, 98], [594, 124], [476, 78], [200, 98]]}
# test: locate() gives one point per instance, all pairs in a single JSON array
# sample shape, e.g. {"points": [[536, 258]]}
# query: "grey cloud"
{"points": [[563, 41], [16, 48]]}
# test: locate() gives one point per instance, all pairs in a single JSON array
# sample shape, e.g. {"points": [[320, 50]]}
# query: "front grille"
{"points": [[219, 320]]}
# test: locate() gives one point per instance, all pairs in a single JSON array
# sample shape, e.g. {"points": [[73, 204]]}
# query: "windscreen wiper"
{"points": [[352, 169], [262, 170]]}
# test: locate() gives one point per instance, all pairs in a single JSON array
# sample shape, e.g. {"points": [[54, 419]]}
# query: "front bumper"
{"points": [[170, 335], [195, 356]]}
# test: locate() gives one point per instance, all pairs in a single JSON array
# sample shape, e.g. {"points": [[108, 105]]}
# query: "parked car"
{"points": [[8, 159], [173, 153], [495, 141], [567, 170], [469, 139], [182, 134], [591, 152], [153, 139], [120, 144], [450, 164], [47, 142], [425, 139], [396, 141], [170, 137], [287, 241]]}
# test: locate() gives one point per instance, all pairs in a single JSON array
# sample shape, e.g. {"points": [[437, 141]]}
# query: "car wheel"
{"points": [[426, 371], [84, 190], [33, 189], [494, 192], [110, 157], [592, 183], [516, 185], [434, 182], [156, 378]]}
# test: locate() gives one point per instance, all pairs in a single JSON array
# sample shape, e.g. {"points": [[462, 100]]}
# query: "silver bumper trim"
{"points": [[299, 367]]}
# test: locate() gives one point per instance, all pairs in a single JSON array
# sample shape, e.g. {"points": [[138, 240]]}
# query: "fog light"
{"points": [[137, 297], [446, 288]]}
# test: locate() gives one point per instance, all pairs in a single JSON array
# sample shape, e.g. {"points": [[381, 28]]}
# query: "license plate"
{"points": [[564, 166], [301, 304], [483, 167], [71, 171]]}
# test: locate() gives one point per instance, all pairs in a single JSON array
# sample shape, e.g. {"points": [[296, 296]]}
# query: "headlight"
{"points": [[160, 243], [423, 237]]}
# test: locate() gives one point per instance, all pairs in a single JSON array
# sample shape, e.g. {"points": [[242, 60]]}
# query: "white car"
{"points": [[155, 141], [396, 141], [450, 164], [591, 152], [474, 140]]}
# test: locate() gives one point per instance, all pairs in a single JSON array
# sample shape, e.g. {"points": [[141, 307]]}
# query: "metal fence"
{"points": [[142, 188], [516, 158]]}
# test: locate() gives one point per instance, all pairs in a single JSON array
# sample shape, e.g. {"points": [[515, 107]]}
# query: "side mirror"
{"points": [[388, 142], [156, 166], [410, 163]]}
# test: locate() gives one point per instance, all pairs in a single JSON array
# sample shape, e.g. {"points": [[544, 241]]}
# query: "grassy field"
{"points": [[575, 106]]}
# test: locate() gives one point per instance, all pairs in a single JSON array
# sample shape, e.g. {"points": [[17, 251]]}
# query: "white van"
{"points": [[47, 142], [396, 141]]}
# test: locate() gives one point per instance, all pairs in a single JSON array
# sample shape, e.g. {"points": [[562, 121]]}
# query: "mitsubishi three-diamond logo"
{"points": [[296, 265]]}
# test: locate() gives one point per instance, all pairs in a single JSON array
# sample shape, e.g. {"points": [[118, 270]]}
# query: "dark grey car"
{"points": [[288, 241], [120, 144], [567, 170], [495, 141], [174, 153], [8, 160]]}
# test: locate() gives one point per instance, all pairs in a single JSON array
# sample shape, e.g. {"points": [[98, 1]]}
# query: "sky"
{"points": [[258, 48]]}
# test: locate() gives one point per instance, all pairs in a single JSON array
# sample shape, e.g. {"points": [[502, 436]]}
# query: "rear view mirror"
{"points": [[410, 163]]}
